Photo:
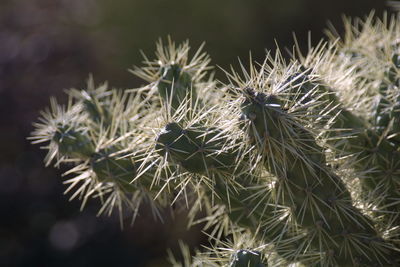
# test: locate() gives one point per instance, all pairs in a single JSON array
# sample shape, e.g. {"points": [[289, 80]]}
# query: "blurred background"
{"points": [[47, 46]]}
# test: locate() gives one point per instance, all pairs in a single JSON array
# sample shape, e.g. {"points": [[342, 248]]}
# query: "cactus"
{"points": [[282, 155]]}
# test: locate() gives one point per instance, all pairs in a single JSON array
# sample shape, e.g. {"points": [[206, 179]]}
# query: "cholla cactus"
{"points": [[288, 165]]}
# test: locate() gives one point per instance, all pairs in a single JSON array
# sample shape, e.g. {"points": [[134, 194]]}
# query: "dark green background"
{"points": [[47, 46]]}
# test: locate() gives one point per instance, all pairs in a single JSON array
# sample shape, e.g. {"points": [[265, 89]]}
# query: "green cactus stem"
{"points": [[175, 86], [73, 143], [97, 111], [377, 158], [95, 102], [318, 198], [111, 166], [197, 151], [303, 89], [387, 113], [200, 150]]}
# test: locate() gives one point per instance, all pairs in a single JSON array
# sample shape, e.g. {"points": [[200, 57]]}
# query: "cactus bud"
{"points": [[247, 258]]}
